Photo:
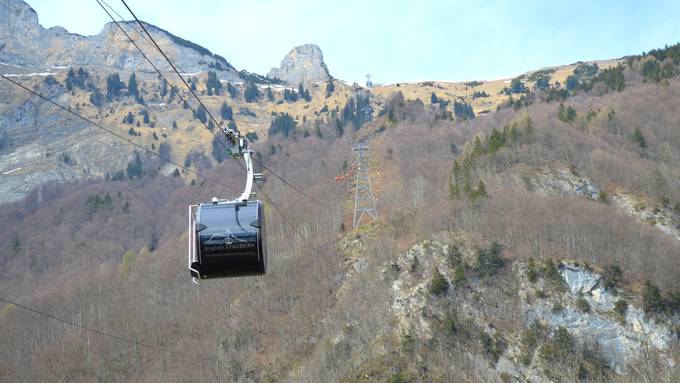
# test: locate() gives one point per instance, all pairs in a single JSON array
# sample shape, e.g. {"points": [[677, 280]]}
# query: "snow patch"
{"points": [[28, 74], [14, 65], [11, 171]]}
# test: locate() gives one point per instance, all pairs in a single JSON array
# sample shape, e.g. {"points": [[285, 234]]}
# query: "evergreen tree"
{"points": [[270, 94], [226, 112], [132, 86], [218, 151], [543, 83], [129, 118], [135, 168], [164, 150], [96, 98], [478, 148], [164, 89], [496, 141], [201, 115], [330, 87], [290, 95], [251, 93], [213, 84], [433, 98], [70, 78], [639, 138], [233, 92], [145, 115], [282, 124], [517, 86], [463, 110], [304, 94], [174, 124], [113, 86]]}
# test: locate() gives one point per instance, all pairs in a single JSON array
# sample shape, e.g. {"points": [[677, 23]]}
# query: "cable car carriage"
{"points": [[227, 237]]}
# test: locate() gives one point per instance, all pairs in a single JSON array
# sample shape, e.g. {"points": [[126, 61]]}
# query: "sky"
{"points": [[398, 41]]}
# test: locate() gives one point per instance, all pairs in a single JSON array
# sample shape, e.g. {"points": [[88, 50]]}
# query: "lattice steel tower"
{"points": [[364, 203]]}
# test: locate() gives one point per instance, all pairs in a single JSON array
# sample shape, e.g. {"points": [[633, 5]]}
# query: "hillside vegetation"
{"points": [[463, 278]]}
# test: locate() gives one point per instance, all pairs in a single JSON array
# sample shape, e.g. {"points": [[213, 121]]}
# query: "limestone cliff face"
{"points": [[24, 42], [303, 64]]}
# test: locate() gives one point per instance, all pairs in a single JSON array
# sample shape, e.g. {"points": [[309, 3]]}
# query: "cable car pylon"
{"points": [[364, 203]]}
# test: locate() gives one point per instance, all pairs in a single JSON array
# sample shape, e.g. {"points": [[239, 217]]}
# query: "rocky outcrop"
{"points": [[303, 64], [554, 303], [25, 43]]}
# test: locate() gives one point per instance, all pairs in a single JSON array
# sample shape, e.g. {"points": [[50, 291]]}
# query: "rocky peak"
{"points": [[24, 42], [303, 64]]}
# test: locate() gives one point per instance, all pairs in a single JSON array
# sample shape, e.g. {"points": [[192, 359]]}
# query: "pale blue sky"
{"points": [[399, 40]]}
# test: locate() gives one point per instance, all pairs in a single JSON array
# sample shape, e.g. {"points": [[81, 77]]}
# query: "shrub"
{"points": [[449, 325], [454, 255], [620, 307], [492, 346], [397, 378], [652, 302], [612, 276], [532, 273], [582, 305], [459, 275], [550, 270], [639, 138], [438, 285], [414, 263], [128, 259], [557, 307], [558, 347]]}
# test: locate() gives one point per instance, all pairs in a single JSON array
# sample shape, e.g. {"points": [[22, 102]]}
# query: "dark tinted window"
{"points": [[222, 218]]}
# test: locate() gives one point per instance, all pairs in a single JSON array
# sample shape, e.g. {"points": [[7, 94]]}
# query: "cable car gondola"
{"points": [[227, 237]]}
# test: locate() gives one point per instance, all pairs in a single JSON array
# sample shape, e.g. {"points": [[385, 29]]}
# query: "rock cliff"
{"points": [[24, 42], [303, 64]]}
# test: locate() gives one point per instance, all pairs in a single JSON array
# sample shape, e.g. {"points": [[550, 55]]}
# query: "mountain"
{"points": [[26, 43], [303, 64], [528, 228]]}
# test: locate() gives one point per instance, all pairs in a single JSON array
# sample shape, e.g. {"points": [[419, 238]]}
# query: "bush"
{"points": [[492, 346], [582, 305], [620, 307], [532, 273], [652, 302], [550, 270], [612, 276], [438, 285], [639, 138], [459, 275], [449, 325], [454, 255], [397, 378]]}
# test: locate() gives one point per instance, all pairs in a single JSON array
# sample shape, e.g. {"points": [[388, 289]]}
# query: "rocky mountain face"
{"points": [[519, 322], [26, 43], [304, 64]]}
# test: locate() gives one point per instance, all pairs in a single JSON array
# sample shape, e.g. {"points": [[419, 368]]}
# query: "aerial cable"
{"points": [[161, 74], [291, 185], [198, 99], [109, 335], [114, 133], [170, 62]]}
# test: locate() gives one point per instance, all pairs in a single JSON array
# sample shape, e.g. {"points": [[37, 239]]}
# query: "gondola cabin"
{"points": [[227, 240]]}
